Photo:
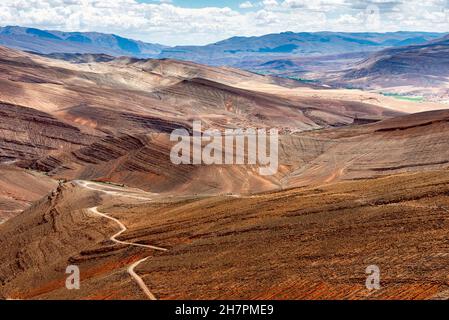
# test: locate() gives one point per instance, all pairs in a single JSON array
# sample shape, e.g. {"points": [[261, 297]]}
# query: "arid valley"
{"points": [[86, 180]]}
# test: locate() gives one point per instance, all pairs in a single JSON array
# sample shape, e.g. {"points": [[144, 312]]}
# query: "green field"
{"points": [[403, 97], [303, 80]]}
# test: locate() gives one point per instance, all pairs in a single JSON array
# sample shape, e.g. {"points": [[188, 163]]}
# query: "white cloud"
{"points": [[246, 5], [169, 24], [295, 3], [270, 3]]}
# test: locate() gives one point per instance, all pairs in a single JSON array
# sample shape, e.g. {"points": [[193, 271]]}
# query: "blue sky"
{"points": [[233, 4], [199, 22]]}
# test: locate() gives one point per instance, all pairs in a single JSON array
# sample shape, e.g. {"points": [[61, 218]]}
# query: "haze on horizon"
{"points": [[182, 22]]}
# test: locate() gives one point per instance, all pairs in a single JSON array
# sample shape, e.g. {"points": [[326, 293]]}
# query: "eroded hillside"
{"points": [[85, 152], [306, 243]]}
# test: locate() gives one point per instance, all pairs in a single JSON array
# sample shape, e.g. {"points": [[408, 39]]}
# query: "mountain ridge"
{"points": [[410, 70], [228, 51], [53, 41], [232, 50]]}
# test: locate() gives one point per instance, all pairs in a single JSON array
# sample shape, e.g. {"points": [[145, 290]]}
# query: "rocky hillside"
{"points": [[50, 41], [237, 50], [413, 70]]}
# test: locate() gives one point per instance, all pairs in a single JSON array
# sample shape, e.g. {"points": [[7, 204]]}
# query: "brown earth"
{"points": [[416, 70], [358, 184], [306, 243], [410, 143], [414, 142], [20, 188], [109, 121]]}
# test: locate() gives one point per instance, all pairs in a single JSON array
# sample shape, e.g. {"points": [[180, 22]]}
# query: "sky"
{"points": [[199, 22]]}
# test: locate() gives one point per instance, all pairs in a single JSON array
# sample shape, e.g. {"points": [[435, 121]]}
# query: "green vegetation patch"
{"points": [[403, 97]]}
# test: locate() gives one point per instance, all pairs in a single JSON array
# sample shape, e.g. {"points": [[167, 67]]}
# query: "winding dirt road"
{"points": [[113, 238], [94, 210], [139, 280], [112, 190]]}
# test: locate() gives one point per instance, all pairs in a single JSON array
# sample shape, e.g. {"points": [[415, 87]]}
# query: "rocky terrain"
{"points": [[417, 70], [76, 121], [301, 243], [85, 152], [20, 188]]}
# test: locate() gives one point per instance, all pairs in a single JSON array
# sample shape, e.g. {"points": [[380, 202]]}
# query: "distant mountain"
{"points": [[45, 42], [302, 68], [237, 49], [419, 69], [242, 52], [431, 59], [79, 57]]}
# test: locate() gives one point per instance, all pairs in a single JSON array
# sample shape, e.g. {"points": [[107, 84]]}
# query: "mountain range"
{"points": [[230, 51], [46, 42], [237, 49], [417, 70], [417, 65], [86, 180]]}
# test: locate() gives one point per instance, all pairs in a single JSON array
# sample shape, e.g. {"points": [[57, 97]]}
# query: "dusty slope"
{"points": [[26, 134], [144, 161], [414, 70], [295, 244], [415, 142], [159, 88], [410, 143], [348, 95], [39, 243], [303, 244], [61, 230], [110, 120], [19, 189]]}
